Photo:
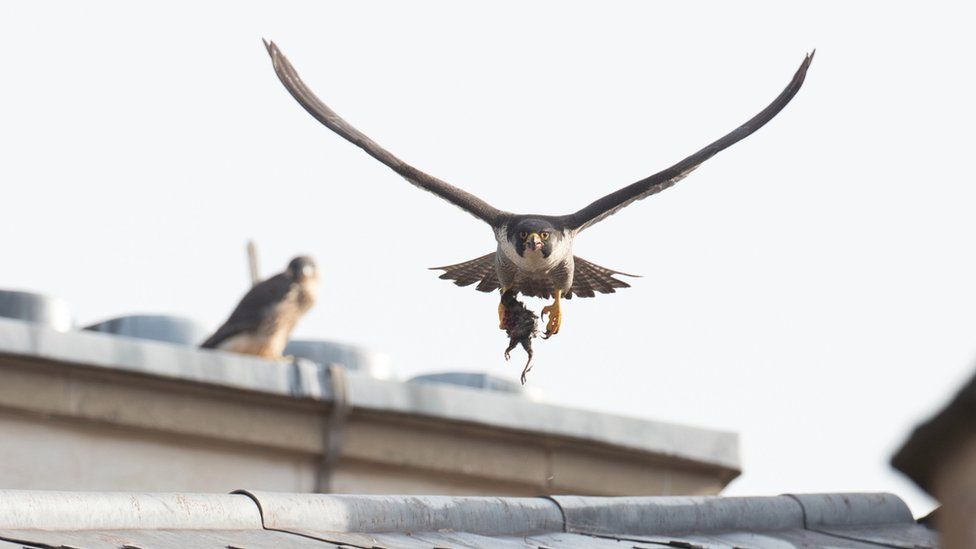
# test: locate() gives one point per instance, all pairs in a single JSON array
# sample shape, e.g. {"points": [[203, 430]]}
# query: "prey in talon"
{"points": [[533, 253], [521, 325]]}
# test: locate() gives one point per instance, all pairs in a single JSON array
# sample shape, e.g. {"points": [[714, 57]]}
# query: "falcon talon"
{"points": [[555, 316], [533, 255]]}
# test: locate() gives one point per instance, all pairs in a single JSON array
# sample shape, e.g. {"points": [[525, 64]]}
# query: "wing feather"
{"points": [[589, 278], [614, 202], [253, 309], [460, 198], [480, 270]]}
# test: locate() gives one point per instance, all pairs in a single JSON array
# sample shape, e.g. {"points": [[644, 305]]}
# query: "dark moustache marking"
{"points": [[514, 231]]}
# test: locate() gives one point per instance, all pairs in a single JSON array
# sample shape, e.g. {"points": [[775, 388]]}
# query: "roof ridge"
{"points": [[492, 516]]}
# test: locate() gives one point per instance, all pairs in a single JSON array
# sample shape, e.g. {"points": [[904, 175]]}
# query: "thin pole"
{"points": [[252, 262]]}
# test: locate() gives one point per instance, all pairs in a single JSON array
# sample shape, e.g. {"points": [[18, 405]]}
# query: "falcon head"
{"points": [[533, 236], [302, 268]]}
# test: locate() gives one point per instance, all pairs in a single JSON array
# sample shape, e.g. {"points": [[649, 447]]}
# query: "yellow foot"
{"points": [[555, 317]]}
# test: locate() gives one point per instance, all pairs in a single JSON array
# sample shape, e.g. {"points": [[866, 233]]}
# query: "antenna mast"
{"points": [[252, 262]]}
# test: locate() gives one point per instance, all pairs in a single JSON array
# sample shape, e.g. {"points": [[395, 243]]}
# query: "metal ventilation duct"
{"points": [[171, 329], [37, 308], [352, 357], [472, 379]]}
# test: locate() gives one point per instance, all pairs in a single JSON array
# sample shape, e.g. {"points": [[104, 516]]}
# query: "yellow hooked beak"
{"points": [[533, 242]]}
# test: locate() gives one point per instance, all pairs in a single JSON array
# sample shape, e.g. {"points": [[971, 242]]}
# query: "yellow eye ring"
{"points": [[523, 234], [544, 235]]}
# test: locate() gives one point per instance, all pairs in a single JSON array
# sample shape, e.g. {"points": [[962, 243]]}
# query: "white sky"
{"points": [[810, 288]]}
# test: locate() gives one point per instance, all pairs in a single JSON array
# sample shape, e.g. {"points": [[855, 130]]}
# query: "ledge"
{"points": [[485, 516], [307, 381], [319, 514], [683, 515], [44, 510]]}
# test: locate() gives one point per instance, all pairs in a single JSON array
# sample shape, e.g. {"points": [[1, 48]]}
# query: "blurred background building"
{"points": [[125, 434], [132, 404]]}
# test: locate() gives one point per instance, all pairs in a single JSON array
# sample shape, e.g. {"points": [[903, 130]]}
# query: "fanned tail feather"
{"points": [[588, 278], [480, 270]]}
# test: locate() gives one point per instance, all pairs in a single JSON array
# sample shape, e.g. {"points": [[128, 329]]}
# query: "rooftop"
{"points": [[83, 410], [305, 380], [115, 520]]}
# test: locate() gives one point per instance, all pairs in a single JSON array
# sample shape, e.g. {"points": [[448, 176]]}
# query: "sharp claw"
{"points": [[552, 327]]}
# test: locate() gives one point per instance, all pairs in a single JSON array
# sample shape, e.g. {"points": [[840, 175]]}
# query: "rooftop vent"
{"points": [[352, 357], [37, 308], [171, 329], [472, 379]]}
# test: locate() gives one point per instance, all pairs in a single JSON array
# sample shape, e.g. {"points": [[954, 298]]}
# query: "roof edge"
{"points": [[708, 514], [57, 510], [306, 381], [488, 516], [852, 509]]}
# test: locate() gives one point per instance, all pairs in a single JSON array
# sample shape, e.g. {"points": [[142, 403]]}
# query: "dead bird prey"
{"points": [[521, 325], [534, 253]]}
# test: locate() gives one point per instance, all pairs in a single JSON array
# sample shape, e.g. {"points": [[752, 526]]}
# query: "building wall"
{"points": [[64, 454], [73, 427]]}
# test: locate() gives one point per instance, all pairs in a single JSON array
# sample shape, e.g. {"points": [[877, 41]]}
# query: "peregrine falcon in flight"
{"points": [[266, 315], [534, 253]]}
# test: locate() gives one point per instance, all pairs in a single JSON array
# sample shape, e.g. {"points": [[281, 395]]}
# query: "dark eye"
{"points": [[544, 235], [523, 234]]}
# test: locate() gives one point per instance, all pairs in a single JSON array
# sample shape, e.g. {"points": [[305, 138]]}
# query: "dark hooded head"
{"points": [[532, 235], [302, 268]]}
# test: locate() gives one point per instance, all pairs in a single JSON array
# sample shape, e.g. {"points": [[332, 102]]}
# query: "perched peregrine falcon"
{"points": [[266, 315], [534, 253]]}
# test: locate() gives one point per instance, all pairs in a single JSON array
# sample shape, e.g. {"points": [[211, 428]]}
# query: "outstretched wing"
{"points": [[254, 308], [612, 203], [462, 199]]}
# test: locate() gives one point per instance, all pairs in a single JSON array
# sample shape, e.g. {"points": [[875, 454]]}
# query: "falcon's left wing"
{"points": [[614, 202], [460, 198]]}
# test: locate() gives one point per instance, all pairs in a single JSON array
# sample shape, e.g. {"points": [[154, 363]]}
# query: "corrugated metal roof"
{"points": [[256, 520]]}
